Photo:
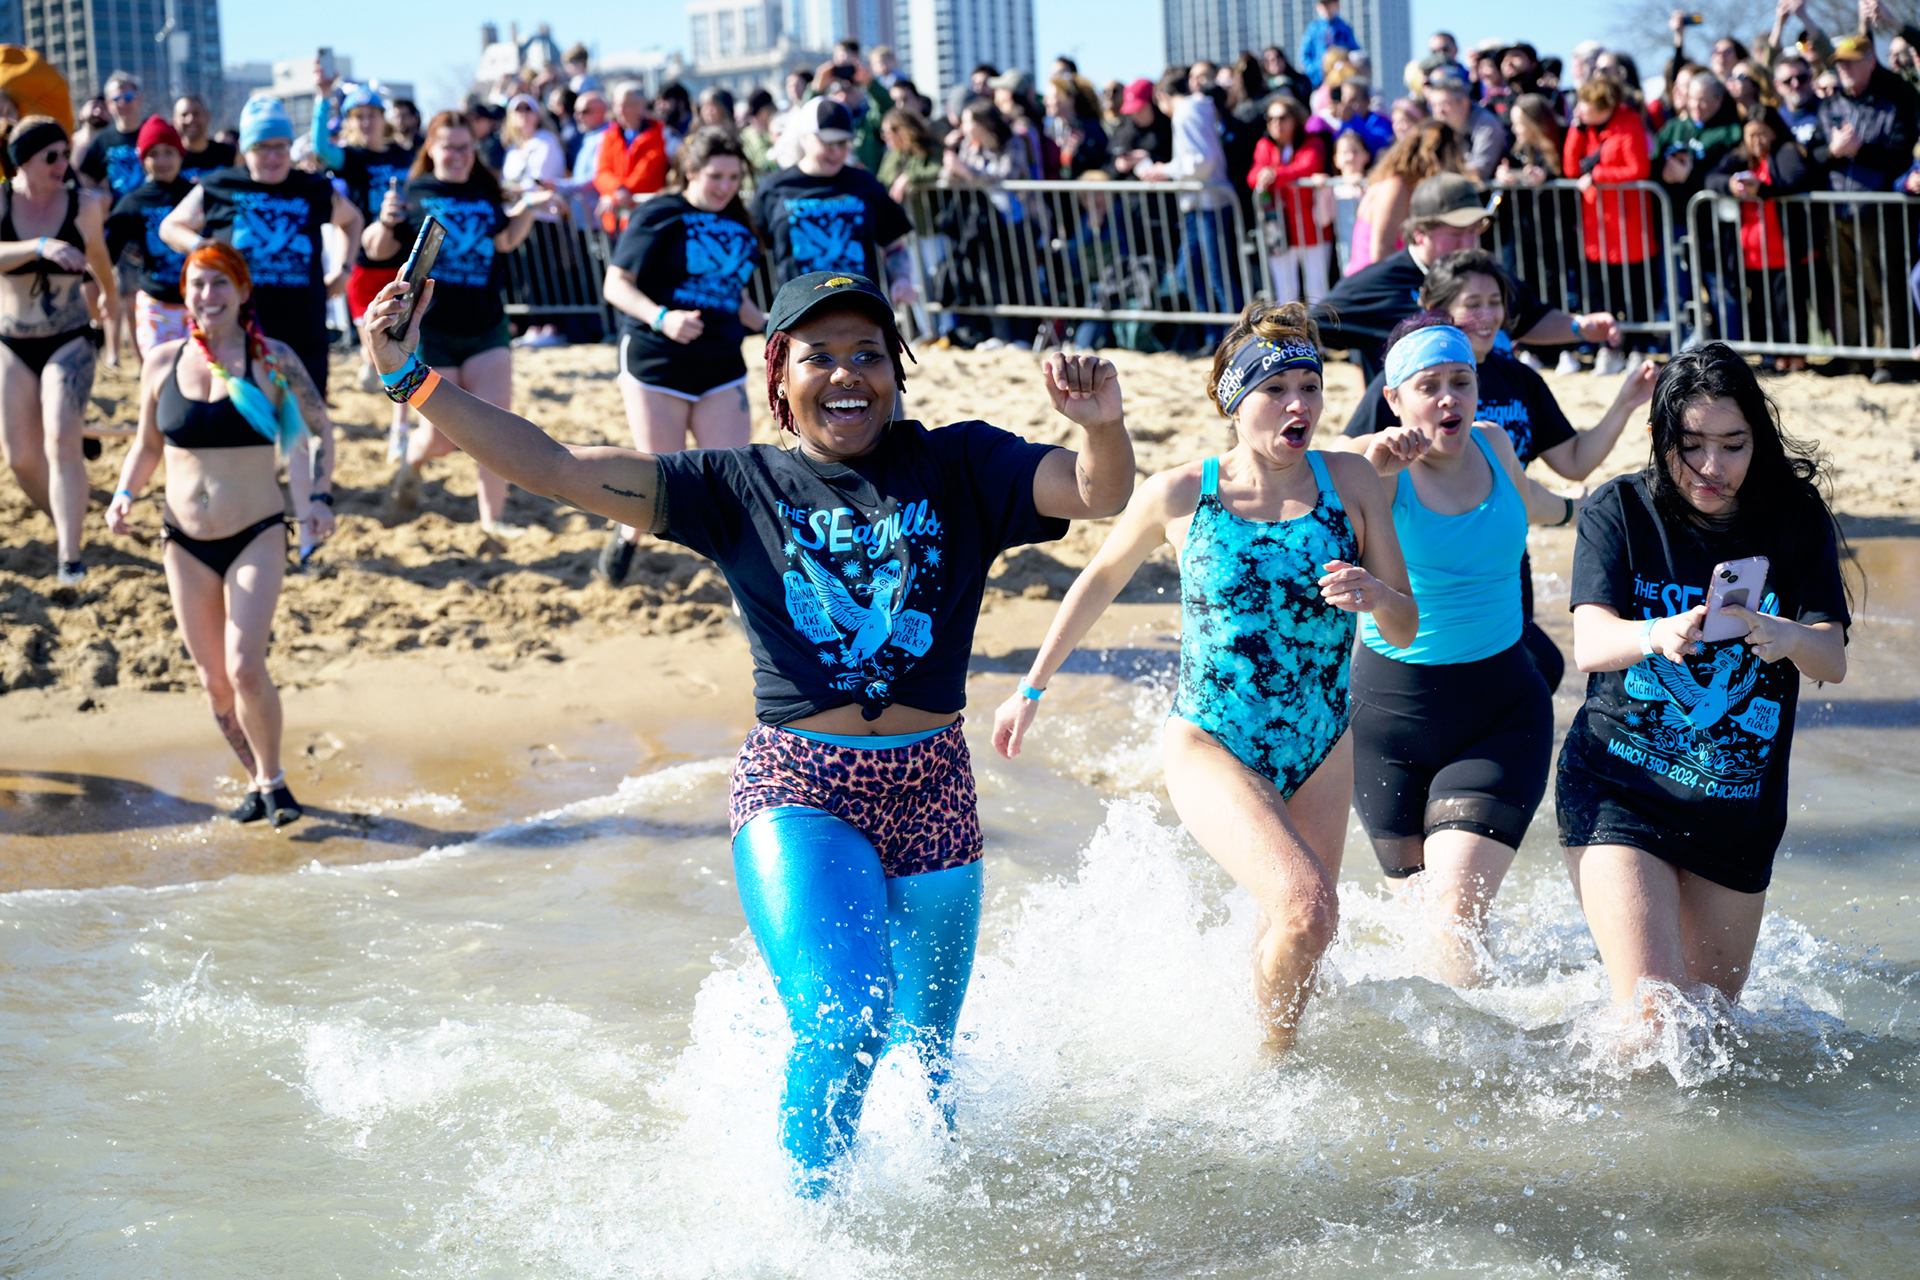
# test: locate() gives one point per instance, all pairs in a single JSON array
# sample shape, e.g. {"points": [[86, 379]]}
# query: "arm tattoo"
{"points": [[74, 364], [624, 493], [314, 410], [229, 723]]}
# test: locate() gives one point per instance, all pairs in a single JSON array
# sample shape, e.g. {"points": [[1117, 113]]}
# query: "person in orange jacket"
{"points": [[633, 157]]}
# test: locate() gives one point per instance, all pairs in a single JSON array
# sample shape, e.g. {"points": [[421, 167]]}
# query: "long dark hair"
{"points": [[1785, 476], [482, 174], [1447, 279]]}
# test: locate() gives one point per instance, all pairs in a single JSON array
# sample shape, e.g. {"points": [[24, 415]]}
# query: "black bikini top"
{"points": [[203, 424], [69, 231]]}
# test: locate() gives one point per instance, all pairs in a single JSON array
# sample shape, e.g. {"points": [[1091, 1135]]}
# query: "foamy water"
{"points": [[554, 1052]]}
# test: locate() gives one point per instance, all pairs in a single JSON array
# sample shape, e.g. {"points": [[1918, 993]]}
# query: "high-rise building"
{"points": [[1222, 29], [819, 24], [942, 41], [173, 46]]}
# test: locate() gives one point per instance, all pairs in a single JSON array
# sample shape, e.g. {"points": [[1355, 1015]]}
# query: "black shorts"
{"points": [[1593, 810], [451, 350], [684, 372], [1449, 747]]}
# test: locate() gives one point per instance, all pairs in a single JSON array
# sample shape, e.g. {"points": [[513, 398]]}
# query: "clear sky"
{"points": [[434, 43]]}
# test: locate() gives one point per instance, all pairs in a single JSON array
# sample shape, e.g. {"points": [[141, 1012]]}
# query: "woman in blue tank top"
{"points": [[1452, 731], [1279, 549]]}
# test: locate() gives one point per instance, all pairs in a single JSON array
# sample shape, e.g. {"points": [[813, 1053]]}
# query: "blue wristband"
{"points": [[399, 375], [1030, 693]]}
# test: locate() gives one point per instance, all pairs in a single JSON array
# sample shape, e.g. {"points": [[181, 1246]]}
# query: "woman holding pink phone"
{"points": [[1672, 792]]}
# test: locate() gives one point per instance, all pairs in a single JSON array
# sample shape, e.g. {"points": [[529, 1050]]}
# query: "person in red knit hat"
{"points": [[159, 312]]}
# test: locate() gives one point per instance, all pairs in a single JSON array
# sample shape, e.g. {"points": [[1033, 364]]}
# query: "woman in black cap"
{"points": [[858, 558]]}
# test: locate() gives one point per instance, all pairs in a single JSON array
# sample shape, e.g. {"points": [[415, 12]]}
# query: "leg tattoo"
{"points": [[229, 722]]}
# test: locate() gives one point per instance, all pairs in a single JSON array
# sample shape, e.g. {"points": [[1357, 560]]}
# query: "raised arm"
{"points": [[621, 484], [1576, 458], [1095, 482], [1141, 527]]}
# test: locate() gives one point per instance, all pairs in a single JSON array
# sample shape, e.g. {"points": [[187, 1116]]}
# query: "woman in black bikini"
{"points": [[51, 238], [225, 521]]}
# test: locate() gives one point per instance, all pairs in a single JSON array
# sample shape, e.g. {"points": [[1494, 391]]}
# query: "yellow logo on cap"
{"points": [[834, 283]]}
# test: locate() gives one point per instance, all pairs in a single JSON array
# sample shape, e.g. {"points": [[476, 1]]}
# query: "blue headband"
{"points": [[1255, 362], [1425, 348]]}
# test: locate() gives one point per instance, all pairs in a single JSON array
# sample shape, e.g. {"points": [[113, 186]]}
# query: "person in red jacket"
{"points": [[633, 157], [1608, 144], [1286, 163]]}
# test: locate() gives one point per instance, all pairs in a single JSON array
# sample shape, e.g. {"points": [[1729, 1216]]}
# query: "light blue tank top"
{"points": [[1464, 571]]}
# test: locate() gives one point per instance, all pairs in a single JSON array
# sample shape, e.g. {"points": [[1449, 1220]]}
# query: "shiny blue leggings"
{"points": [[861, 962]]}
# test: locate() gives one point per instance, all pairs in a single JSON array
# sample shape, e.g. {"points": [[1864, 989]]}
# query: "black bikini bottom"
{"points": [[218, 554], [35, 352]]}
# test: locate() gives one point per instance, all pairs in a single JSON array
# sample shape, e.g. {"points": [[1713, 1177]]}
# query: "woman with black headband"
{"points": [[858, 559], [1280, 548], [52, 237]]}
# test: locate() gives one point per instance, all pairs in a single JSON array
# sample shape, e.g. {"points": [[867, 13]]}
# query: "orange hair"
{"points": [[223, 258]]}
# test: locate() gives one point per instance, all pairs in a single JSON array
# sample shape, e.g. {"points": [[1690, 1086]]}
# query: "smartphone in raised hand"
{"points": [[1740, 583], [419, 265]]}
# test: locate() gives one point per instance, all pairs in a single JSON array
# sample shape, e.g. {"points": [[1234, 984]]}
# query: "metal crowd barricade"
{"points": [[1540, 235], [559, 270], [1824, 273], [1104, 251]]}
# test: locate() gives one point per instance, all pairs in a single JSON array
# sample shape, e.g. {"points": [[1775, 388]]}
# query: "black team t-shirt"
{"points": [[277, 230], [469, 274], [826, 224], [1696, 750], [113, 158], [367, 174], [1510, 394], [1363, 307], [195, 165], [690, 260], [135, 221], [860, 583]]}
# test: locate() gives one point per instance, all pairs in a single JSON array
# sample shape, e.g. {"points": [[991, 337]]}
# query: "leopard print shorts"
{"points": [[915, 804]]}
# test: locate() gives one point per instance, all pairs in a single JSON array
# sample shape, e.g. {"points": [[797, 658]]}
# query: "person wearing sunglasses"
{"points": [[111, 161], [1799, 107], [52, 238]]}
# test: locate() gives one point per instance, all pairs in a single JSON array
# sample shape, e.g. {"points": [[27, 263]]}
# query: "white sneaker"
{"points": [[1569, 362], [1611, 362], [397, 433], [1532, 361], [991, 344], [369, 379]]}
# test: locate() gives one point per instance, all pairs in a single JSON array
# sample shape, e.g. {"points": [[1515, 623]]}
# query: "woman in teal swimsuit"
{"points": [[1279, 548]]}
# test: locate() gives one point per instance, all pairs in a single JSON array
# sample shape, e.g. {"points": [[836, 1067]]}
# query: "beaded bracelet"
{"points": [[404, 381]]}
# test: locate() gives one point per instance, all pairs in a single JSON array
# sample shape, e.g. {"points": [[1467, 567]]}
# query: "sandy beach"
{"points": [[425, 646]]}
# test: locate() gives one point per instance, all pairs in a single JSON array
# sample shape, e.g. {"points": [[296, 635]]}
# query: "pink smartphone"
{"points": [[1741, 583]]}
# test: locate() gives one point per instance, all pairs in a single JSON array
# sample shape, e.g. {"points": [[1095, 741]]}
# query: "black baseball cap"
{"points": [[818, 291], [1450, 198]]}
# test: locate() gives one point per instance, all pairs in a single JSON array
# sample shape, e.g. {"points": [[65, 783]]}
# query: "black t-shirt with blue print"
{"points": [[470, 274], [275, 227], [860, 583], [690, 260], [1699, 748], [135, 222], [195, 165], [367, 174], [837, 223], [113, 158]]}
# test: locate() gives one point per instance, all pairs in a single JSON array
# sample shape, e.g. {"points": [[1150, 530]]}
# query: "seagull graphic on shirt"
{"points": [[870, 624]]}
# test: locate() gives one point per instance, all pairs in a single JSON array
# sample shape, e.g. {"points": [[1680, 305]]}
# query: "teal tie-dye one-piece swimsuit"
{"points": [[1263, 659]]}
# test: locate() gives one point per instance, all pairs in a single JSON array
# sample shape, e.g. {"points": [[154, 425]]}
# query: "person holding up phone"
{"points": [[464, 337], [1672, 791], [1452, 734]]}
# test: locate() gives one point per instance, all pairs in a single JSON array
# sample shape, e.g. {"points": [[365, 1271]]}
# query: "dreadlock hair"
{"points": [[780, 346]]}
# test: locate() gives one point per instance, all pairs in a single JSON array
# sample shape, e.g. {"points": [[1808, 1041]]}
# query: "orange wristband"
{"points": [[425, 389]]}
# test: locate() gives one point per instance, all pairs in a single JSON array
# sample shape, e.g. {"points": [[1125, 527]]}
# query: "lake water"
{"points": [[551, 1051]]}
